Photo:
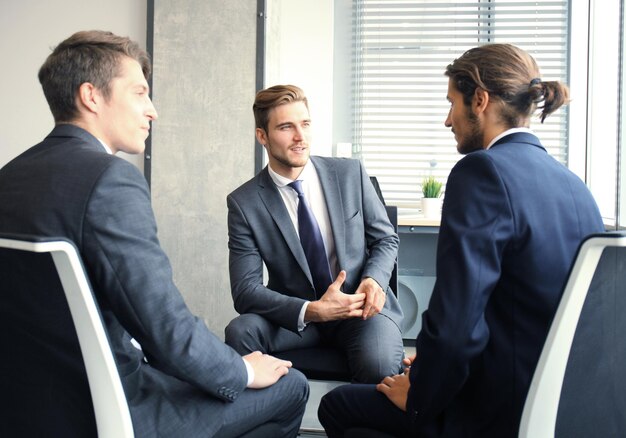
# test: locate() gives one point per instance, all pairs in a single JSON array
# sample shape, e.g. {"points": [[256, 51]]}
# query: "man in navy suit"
{"points": [[512, 220], [354, 309], [184, 382]]}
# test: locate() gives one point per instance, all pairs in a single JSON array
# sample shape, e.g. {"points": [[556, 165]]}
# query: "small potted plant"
{"points": [[431, 202]]}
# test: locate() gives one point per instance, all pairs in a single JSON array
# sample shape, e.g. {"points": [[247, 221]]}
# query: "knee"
{"points": [[373, 369], [369, 374], [242, 333], [300, 385], [328, 415]]}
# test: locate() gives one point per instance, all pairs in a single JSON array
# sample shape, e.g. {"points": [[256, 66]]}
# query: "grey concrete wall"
{"points": [[203, 141]]}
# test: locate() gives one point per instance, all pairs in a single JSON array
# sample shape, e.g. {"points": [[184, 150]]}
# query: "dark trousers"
{"points": [[355, 405], [374, 347], [278, 408]]}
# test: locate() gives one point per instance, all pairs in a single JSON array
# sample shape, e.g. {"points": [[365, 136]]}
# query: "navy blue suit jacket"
{"points": [[512, 220]]}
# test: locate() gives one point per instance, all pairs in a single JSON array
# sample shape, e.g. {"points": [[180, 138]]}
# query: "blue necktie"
{"points": [[312, 243]]}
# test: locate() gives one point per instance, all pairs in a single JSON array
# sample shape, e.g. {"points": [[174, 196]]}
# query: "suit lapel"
{"points": [[330, 187], [276, 208]]}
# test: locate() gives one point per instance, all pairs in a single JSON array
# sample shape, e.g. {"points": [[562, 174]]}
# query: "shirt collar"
{"points": [[281, 181], [106, 148], [507, 132]]}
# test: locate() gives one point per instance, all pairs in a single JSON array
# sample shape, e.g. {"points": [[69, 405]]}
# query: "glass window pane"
{"points": [[401, 49]]}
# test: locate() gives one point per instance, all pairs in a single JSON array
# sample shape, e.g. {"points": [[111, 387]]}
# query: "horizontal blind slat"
{"points": [[400, 50]]}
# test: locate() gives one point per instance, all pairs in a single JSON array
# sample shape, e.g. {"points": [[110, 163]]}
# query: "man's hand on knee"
{"points": [[267, 369]]}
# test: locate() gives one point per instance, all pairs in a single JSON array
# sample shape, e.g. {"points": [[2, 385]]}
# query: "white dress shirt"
{"points": [[317, 203]]}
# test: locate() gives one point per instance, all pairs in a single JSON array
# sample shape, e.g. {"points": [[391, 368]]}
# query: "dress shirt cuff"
{"points": [[250, 371], [301, 323]]}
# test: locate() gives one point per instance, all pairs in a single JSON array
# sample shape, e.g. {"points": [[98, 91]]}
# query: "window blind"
{"points": [[401, 49]]}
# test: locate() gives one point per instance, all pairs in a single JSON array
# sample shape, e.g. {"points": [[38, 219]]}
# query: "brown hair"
{"points": [[272, 97], [511, 75], [87, 56]]}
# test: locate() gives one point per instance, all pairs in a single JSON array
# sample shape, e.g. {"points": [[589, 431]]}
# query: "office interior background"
{"points": [[373, 73]]}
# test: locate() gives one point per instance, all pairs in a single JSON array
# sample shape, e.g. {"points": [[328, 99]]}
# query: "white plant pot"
{"points": [[431, 207]]}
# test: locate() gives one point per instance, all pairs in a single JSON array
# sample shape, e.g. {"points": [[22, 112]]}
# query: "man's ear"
{"points": [[480, 101], [89, 97], [261, 136]]}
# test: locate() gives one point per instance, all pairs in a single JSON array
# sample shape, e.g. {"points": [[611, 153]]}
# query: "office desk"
{"points": [[416, 267]]}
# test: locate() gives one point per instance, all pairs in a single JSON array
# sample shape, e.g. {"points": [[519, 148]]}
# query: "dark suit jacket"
{"points": [[512, 220], [69, 186], [260, 230]]}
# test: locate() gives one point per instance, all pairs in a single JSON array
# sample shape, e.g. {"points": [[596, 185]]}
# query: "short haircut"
{"points": [[272, 97], [88, 56], [510, 75]]}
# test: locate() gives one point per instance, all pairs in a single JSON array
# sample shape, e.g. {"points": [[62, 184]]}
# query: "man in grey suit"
{"points": [[352, 307], [184, 382]]}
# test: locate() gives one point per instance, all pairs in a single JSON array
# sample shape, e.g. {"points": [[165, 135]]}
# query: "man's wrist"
{"points": [[375, 281]]}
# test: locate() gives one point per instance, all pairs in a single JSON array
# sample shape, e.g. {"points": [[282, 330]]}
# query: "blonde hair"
{"points": [[272, 97]]}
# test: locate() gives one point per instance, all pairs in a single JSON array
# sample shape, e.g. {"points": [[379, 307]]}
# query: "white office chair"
{"points": [[111, 409], [578, 387]]}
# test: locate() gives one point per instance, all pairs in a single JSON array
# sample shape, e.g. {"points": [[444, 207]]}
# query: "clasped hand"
{"points": [[334, 305], [374, 297]]}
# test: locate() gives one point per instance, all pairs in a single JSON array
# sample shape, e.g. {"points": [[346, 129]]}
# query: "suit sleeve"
{"points": [[133, 277], [382, 241], [476, 225], [250, 295]]}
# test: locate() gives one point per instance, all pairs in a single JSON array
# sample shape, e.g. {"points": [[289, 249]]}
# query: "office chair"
{"points": [[327, 362], [56, 264], [579, 385], [60, 256]]}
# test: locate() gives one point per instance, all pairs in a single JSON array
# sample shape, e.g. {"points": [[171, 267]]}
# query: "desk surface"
{"points": [[414, 217]]}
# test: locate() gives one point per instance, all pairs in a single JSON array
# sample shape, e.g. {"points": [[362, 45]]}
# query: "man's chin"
{"points": [[135, 149], [299, 161], [465, 148]]}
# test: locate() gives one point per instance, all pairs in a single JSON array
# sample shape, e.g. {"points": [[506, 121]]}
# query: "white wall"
{"points": [[299, 51], [29, 29]]}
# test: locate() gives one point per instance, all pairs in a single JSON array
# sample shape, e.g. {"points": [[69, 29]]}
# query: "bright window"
{"points": [[401, 49]]}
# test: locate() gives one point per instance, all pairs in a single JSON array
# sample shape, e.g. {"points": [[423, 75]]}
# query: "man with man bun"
{"points": [[512, 220]]}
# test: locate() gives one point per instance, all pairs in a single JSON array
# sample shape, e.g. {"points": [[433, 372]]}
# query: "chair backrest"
{"points": [[109, 402], [392, 213], [579, 385]]}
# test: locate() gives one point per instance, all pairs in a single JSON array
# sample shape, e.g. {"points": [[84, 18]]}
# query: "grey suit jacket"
{"points": [[260, 231], [69, 186]]}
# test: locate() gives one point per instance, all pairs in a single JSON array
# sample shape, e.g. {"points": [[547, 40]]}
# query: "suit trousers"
{"points": [[358, 405], [374, 347], [281, 405]]}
